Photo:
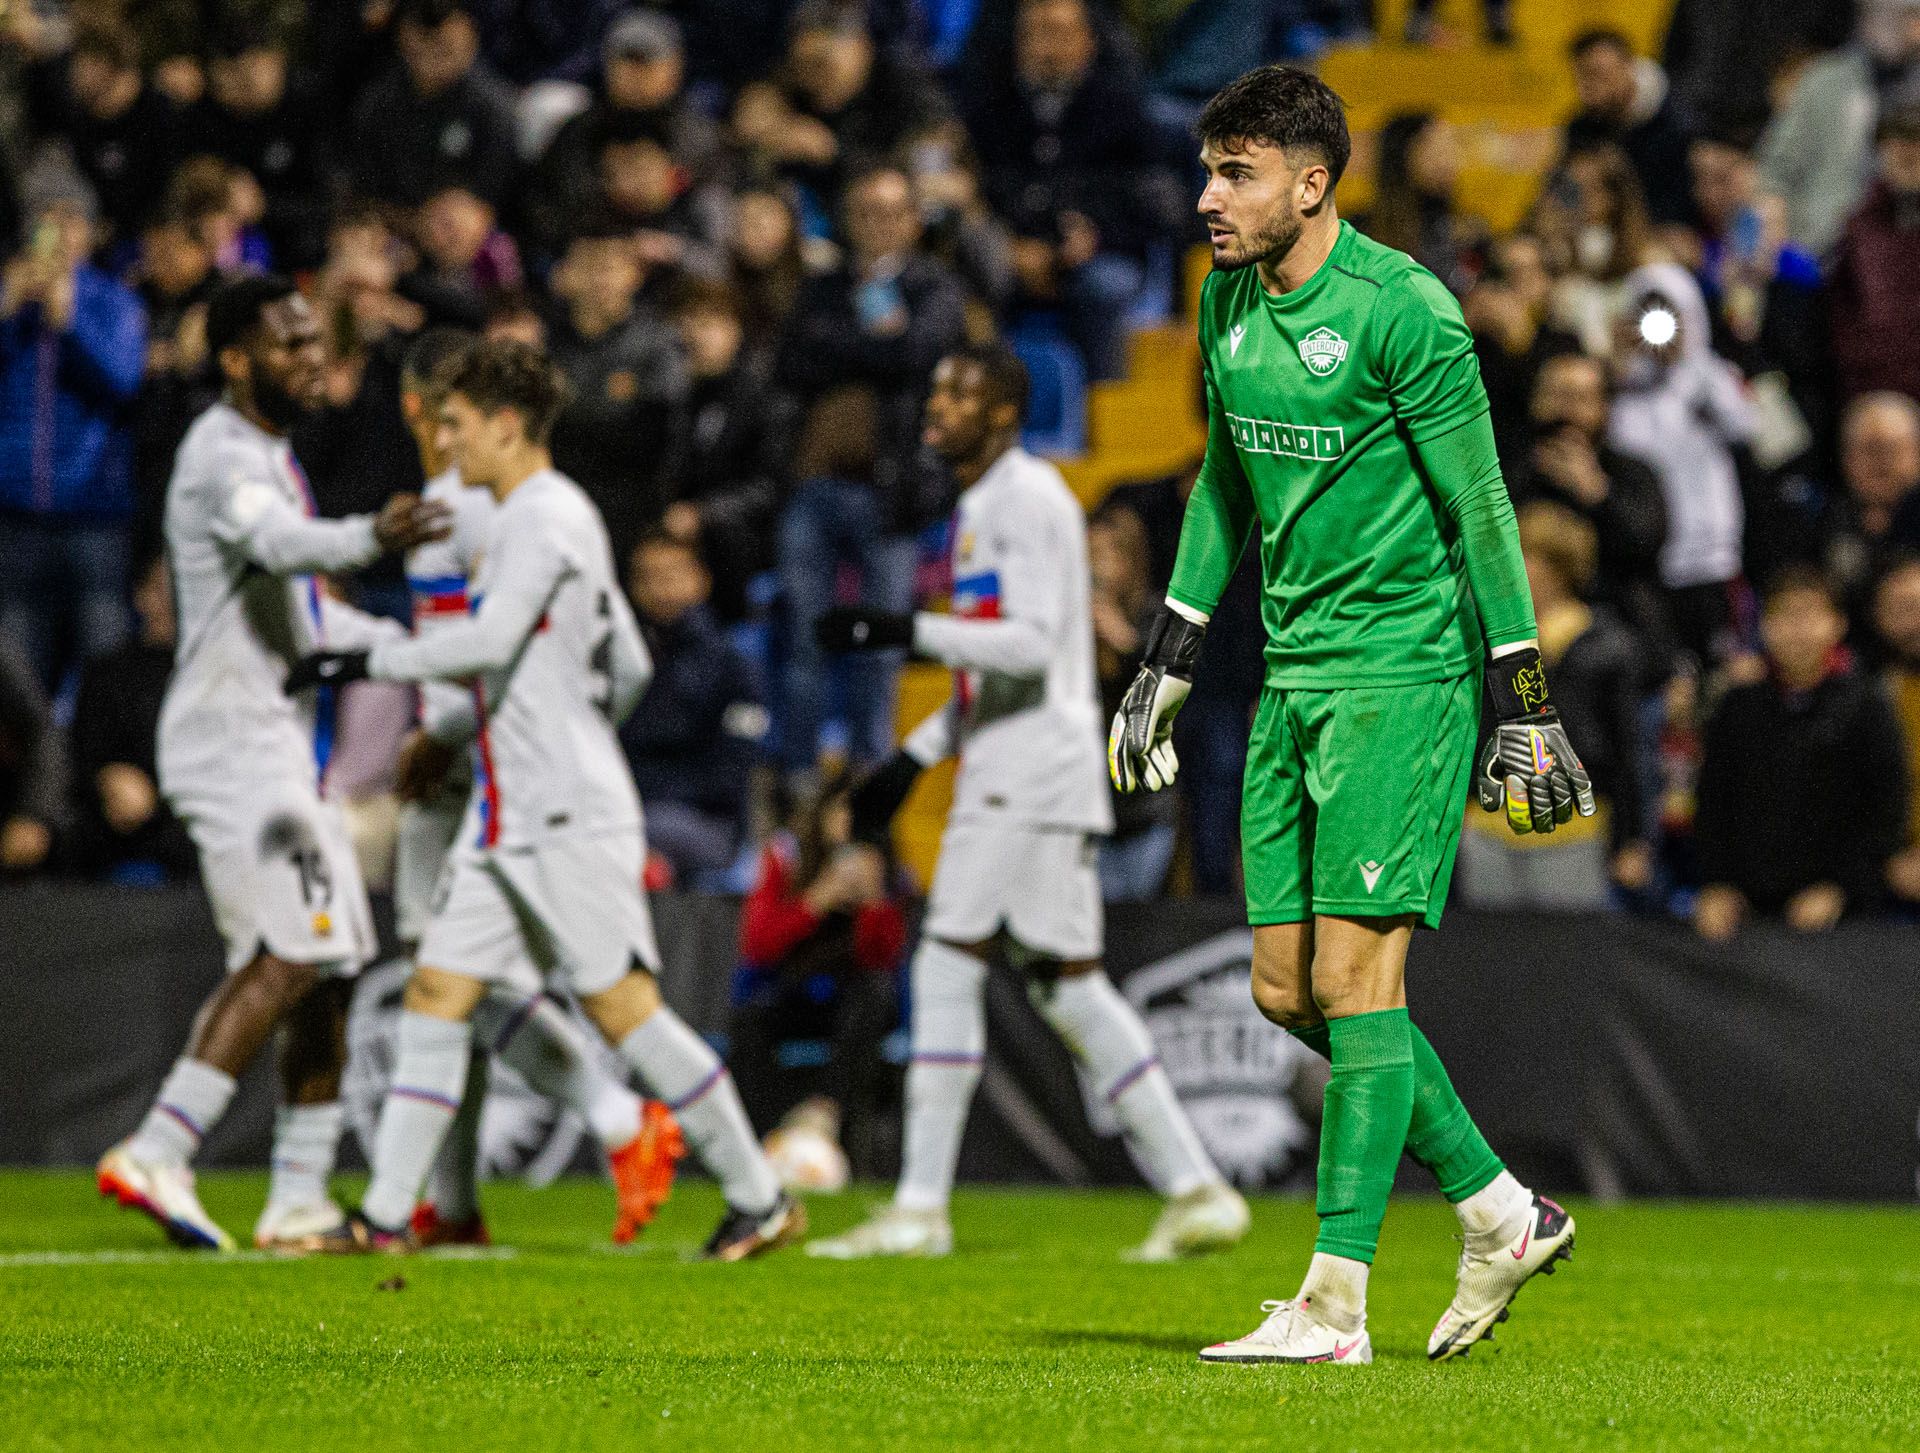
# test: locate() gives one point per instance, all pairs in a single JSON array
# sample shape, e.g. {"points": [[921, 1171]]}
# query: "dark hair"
{"points": [[510, 303], [109, 40], [698, 294], [659, 539], [1898, 123], [808, 824], [1801, 578], [235, 308], [1396, 218], [1002, 371], [629, 128], [432, 356], [1284, 107], [237, 35], [842, 16], [1898, 562], [504, 374], [1597, 36], [430, 14]]}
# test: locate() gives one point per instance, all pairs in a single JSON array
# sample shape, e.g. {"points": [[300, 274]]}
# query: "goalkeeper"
{"points": [[1348, 440]]}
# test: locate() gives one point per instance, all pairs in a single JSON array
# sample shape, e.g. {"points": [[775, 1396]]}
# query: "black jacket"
{"points": [[1657, 147], [1802, 788], [116, 718], [732, 438], [406, 146], [696, 733], [129, 160], [282, 148], [825, 347]]}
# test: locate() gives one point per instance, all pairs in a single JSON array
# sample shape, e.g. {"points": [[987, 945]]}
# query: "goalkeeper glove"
{"points": [[1140, 746], [1528, 764], [326, 668], [878, 797], [855, 628]]}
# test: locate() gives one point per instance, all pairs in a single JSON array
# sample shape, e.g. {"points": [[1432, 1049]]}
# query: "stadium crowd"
{"points": [[747, 230]]}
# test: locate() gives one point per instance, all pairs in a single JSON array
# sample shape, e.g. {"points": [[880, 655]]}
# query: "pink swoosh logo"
{"points": [[1340, 1353], [1525, 1241]]}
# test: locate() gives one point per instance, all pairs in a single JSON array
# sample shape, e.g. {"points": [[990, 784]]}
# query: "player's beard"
{"points": [[1268, 243], [278, 406]]}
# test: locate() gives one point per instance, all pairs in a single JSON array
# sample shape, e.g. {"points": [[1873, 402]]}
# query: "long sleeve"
{"points": [[258, 520], [774, 918], [1033, 583], [526, 571], [1219, 520], [1464, 467], [347, 628], [103, 352]]}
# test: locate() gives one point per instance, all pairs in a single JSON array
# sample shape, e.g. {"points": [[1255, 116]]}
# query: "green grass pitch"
{"points": [[1676, 1327]]}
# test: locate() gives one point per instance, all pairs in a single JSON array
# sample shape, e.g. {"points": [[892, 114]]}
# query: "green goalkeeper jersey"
{"points": [[1347, 425]]}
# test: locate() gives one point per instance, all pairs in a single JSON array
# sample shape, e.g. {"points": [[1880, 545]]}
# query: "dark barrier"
{"points": [[1598, 1053]]}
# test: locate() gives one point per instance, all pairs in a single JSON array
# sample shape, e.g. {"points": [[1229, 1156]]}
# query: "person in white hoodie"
{"points": [[1685, 410]]}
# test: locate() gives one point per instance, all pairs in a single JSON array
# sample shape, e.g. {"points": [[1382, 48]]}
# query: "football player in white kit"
{"points": [[245, 769], [1016, 873], [535, 1036], [547, 869]]}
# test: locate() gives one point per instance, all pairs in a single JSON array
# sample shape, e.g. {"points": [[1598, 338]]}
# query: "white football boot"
{"points": [[165, 1192], [1488, 1283], [1291, 1333], [293, 1228], [1210, 1218], [890, 1232]]}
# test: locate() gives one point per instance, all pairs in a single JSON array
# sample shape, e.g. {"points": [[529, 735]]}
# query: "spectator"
{"points": [[123, 829], [1876, 271], [1423, 29], [675, 224], [1741, 251], [465, 257], [1593, 221], [1413, 207], [765, 261], [528, 41], [1571, 464], [837, 104], [1068, 157], [1683, 409], [961, 229], [1782, 826], [1597, 676], [821, 936], [1723, 54], [225, 207], [1896, 618], [1134, 860], [1878, 513], [124, 134], [859, 349], [513, 315], [696, 733], [1624, 102], [33, 768], [733, 445], [73, 345], [253, 119], [176, 280], [1513, 336], [439, 117], [627, 381]]}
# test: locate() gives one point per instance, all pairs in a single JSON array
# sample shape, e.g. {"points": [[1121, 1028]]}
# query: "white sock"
{"points": [[1106, 1034], [949, 1047], [305, 1138], [1337, 1287], [429, 1071], [1493, 1215], [683, 1070], [192, 1098], [452, 1182], [540, 1043]]}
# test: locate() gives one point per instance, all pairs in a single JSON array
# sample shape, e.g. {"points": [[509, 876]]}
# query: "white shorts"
{"points": [[280, 870], [1041, 884], [421, 845], [570, 913]]}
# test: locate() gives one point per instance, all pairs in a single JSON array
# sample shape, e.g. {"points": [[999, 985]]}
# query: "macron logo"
{"points": [[1234, 335], [1370, 872]]}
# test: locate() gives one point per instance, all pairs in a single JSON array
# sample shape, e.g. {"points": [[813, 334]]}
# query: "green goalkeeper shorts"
{"points": [[1354, 799]]}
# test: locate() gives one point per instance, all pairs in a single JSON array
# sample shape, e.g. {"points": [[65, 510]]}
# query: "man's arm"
{"points": [[103, 350], [1032, 606], [1219, 520], [1465, 471], [527, 570], [256, 519]]}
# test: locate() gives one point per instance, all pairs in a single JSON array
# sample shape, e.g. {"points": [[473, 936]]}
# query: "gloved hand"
{"points": [[855, 628], [1527, 763], [1140, 746], [878, 797], [326, 668]]}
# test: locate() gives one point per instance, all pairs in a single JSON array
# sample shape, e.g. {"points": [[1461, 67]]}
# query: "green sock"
{"points": [[1442, 1136], [1369, 1105]]}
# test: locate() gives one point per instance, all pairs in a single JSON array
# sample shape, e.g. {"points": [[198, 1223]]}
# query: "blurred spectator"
{"points": [[1878, 513], [254, 119], [1416, 171], [1068, 156], [821, 936], [643, 73], [1741, 251], [697, 731], [1592, 220], [545, 40], [1683, 409], [1422, 29], [1876, 271], [1134, 860], [1597, 675], [1783, 827], [627, 380], [765, 260], [124, 135], [675, 223], [439, 117], [1722, 54], [961, 229], [733, 446], [176, 277], [860, 346], [122, 827], [33, 768], [1896, 618], [837, 104], [1571, 464], [73, 345], [225, 208], [513, 315], [1513, 336], [465, 258], [1624, 102]]}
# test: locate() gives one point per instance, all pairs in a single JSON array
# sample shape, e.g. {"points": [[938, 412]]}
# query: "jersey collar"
{"points": [[1304, 295]]}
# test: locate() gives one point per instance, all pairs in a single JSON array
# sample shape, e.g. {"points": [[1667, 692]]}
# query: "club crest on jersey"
{"points": [[1323, 350]]}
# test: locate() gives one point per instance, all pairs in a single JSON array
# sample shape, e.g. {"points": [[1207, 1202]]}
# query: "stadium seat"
{"points": [[1057, 417]]}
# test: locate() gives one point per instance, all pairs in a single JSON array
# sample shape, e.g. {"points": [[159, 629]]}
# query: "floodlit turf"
{"points": [[1675, 1327]]}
